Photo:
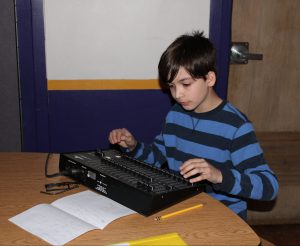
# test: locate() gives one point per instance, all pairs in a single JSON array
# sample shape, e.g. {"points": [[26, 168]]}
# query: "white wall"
{"points": [[115, 39]]}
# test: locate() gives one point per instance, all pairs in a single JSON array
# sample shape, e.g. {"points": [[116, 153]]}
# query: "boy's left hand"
{"points": [[205, 170]]}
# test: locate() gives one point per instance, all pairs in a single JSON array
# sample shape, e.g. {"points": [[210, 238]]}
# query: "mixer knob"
{"points": [[169, 187], [150, 188]]}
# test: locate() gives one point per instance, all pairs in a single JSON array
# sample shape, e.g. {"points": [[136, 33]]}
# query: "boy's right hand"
{"points": [[122, 137]]}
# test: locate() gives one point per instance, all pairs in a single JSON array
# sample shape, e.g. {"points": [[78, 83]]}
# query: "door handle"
{"points": [[239, 53]]}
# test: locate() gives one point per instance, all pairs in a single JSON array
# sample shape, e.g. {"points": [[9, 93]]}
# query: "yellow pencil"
{"points": [[178, 212]]}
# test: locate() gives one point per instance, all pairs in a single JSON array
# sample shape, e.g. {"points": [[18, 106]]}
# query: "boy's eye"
{"points": [[186, 85]]}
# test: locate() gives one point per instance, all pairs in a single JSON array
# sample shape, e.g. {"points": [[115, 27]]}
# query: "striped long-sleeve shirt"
{"points": [[225, 138]]}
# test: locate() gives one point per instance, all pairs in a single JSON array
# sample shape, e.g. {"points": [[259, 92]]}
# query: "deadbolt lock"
{"points": [[240, 53]]}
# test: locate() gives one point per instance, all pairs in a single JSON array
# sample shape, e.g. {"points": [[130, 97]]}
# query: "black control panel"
{"points": [[135, 184]]}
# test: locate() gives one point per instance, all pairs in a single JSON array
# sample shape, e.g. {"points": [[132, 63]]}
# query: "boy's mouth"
{"points": [[184, 104]]}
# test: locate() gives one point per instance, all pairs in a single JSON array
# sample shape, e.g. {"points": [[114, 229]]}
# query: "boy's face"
{"points": [[192, 94]]}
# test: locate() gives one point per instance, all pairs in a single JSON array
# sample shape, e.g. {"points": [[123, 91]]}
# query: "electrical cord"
{"points": [[50, 188], [46, 168], [63, 173]]}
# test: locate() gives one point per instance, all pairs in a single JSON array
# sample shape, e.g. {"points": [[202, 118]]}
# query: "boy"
{"points": [[204, 138]]}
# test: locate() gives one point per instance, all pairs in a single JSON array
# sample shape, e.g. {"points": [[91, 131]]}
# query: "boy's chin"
{"points": [[188, 108]]}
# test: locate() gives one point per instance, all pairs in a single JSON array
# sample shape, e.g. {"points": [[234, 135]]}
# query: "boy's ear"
{"points": [[211, 78]]}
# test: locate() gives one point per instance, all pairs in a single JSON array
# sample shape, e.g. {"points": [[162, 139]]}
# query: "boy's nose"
{"points": [[178, 93]]}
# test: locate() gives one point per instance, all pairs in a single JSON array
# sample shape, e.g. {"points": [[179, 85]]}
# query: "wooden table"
{"points": [[22, 178]]}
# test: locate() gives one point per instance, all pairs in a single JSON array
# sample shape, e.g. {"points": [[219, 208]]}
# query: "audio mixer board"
{"points": [[135, 184]]}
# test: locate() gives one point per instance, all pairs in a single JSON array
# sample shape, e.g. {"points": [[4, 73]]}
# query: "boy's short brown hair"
{"points": [[193, 51]]}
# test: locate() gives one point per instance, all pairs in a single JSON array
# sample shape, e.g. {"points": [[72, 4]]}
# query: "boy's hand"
{"points": [[122, 137], [203, 168]]}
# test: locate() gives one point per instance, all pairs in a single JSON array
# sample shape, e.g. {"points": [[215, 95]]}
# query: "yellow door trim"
{"points": [[122, 84]]}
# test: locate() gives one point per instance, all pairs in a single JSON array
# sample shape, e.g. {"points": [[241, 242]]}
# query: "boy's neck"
{"points": [[211, 102]]}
